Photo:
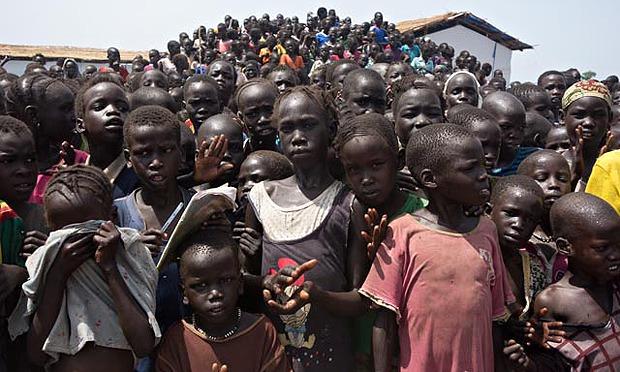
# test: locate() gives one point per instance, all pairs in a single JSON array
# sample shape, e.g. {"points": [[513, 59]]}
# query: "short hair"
{"points": [[76, 181], [103, 77], [204, 240], [414, 81], [371, 124], [329, 73], [253, 82], [279, 165], [520, 182], [525, 91], [467, 116], [428, 146], [317, 95], [198, 78], [285, 68], [527, 165], [149, 96], [535, 124], [550, 72], [151, 116], [29, 89], [358, 75], [156, 72], [500, 101], [9, 124], [574, 214]]}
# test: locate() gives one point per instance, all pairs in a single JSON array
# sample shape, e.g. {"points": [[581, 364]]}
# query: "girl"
{"points": [[462, 87]]}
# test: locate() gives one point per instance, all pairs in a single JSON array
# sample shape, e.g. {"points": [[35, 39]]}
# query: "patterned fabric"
{"points": [[11, 236], [595, 349], [586, 88]]}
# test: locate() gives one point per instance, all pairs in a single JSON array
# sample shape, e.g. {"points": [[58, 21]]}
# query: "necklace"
{"points": [[226, 335], [542, 239]]}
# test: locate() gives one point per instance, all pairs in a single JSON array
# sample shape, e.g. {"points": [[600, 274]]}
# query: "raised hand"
{"points": [[275, 285], [250, 240], [32, 241], [154, 240], [217, 368], [209, 165], [545, 331], [607, 145], [67, 154], [575, 157], [108, 241], [375, 233], [516, 355]]}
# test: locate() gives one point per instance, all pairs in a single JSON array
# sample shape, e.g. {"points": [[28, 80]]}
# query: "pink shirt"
{"points": [[43, 178], [445, 288]]}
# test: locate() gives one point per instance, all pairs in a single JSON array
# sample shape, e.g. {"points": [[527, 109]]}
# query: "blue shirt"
{"points": [[511, 169]]}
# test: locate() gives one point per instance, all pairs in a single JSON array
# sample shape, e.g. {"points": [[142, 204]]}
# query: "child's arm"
{"points": [[383, 340], [72, 254], [133, 321]]}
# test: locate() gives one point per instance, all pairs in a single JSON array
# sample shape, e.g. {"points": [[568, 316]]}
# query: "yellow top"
{"points": [[604, 181]]}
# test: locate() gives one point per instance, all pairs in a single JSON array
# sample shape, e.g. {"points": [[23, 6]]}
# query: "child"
{"points": [[484, 127], [554, 83], [254, 101], [363, 91], [261, 165], [535, 99], [154, 78], [217, 331], [536, 129], [304, 217], [510, 115], [586, 113], [337, 71], [89, 301], [413, 264], [152, 96], [201, 100], [462, 87], [225, 75], [101, 108], [558, 140], [283, 77], [586, 229]]}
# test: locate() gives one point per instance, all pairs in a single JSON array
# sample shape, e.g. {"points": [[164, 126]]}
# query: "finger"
{"points": [[384, 222], [211, 148], [216, 146], [225, 167], [555, 339], [224, 368], [83, 241], [303, 268], [367, 238], [239, 224], [202, 149], [376, 235], [253, 233], [512, 348]]}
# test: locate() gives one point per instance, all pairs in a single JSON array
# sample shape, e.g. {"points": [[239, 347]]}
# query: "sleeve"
{"points": [[167, 358], [500, 290], [384, 283], [274, 357], [602, 185]]}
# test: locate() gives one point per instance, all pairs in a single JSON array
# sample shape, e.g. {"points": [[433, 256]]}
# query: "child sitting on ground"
{"points": [[90, 300], [217, 331], [413, 265]]}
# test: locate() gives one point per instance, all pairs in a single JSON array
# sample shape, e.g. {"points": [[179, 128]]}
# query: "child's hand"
{"points": [[32, 241], [216, 368], [250, 241], [67, 154], [607, 145], [75, 250], [154, 240], [546, 331], [209, 165], [575, 157], [11, 276], [516, 355], [376, 232], [405, 181], [522, 330], [275, 284], [108, 240]]}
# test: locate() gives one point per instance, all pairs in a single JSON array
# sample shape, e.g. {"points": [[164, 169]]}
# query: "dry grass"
{"points": [[25, 52]]}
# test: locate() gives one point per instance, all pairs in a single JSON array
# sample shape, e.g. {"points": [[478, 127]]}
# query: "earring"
{"points": [[185, 300]]}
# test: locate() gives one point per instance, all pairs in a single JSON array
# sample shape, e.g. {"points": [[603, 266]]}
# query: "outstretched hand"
{"points": [[375, 233], [276, 283], [545, 331], [108, 241], [67, 154], [209, 165]]}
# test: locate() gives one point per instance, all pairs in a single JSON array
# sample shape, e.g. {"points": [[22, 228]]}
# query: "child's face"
{"points": [[155, 156], [234, 135], [396, 72], [462, 89], [366, 96], [555, 85], [512, 125], [464, 179], [154, 78], [56, 115], [558, 140], [105, 110], [416, 109], [516, 216], [256, 108], [340, 73], [593, 116], [224, 74], [553, 175], [597, 251], [371, 167], [541, 104], [252, 171], [283, 80], [201, 102], [302, 126], [212, 284], [489, 135], [18, 167]]}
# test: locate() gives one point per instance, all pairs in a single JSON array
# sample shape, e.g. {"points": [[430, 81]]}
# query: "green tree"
{"points": [[587, 75]]}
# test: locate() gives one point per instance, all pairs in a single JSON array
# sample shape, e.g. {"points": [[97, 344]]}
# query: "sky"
{"points": [[564, 34]]}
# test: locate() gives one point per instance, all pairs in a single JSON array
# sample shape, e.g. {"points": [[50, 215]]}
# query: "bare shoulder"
{"points": [[557, 298]]}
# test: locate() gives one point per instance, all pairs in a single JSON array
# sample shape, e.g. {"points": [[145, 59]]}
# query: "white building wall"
{"points": [[485, 49]]}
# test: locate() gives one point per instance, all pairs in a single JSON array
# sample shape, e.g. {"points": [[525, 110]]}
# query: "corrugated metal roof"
{"points": [[25, 52], [424, 26]]}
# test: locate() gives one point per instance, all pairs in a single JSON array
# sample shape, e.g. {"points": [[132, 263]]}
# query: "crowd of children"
{"points": [[397, 208]]}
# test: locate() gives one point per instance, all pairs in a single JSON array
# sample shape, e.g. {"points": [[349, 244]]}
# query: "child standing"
{"points": [[413, 264], [254, 101]]}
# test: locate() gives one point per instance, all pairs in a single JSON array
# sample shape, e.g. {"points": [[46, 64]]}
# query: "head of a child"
{"points": [[201, 99], [586, 229], [153, 150], [484, 127], [255, 100], [587, 105], [537, 128], [146, 96], [363, 92], [283, 77], [224, 124], [397, 71], [554, 83], [447, 161], [552, 173], [510, 115], [517, 210], [211, 277], [337, 71], [225, 75], [154, 78], [18, 159], [306, 121], [260, 166], [615, 116], [368, 148], [558, 140], [462, 88], [76, 194], [534, 98]]}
